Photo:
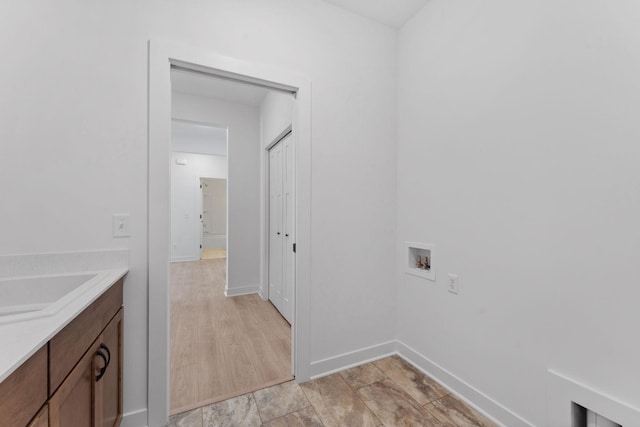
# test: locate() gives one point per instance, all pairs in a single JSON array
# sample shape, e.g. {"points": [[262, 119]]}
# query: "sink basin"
{"points": [[26, 298]]}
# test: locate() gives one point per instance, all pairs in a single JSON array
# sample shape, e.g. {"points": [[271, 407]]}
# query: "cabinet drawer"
{"points": [[68, 346], [24, 391]]}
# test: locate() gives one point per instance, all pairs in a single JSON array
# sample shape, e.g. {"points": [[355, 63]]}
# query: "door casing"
{"points": [[162, 56]]}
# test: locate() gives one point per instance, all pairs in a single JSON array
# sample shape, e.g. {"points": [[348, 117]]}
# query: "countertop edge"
{"points": [[25, 338]]}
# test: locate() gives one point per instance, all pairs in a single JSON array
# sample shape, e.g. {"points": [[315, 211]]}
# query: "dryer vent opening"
{"points": [[583, 417]]}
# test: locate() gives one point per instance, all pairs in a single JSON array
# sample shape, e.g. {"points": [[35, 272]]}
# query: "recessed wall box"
{"points": [[420, 260]]}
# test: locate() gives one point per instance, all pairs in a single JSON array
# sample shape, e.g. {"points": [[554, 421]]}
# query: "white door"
{"points": [[204, 203], [275, 226], [289, 228], [282, 227]]}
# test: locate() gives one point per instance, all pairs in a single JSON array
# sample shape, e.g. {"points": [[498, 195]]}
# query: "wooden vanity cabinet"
{"points": [[42, 419], [72, 403], [108, 390], [24, 392], [90, 395], [74, 380]]}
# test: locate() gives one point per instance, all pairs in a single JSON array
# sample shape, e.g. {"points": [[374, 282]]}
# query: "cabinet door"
{"points": [[108, 391], [91, 396], [42, 419], [72, 403]]}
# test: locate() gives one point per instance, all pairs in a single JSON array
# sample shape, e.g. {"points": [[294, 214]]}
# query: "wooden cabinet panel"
{"points": [[72, 403], [71, 343], [109, 387], [24, 392], [42, 419], [91, 396]]}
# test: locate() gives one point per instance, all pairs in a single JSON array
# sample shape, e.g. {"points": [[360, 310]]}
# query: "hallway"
{"points": [[221, 347]]}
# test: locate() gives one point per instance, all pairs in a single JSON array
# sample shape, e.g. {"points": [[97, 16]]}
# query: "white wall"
{"points": [[243, 127], [73, 113], [185, 201], [276, 114], [518, 158], [199, 138]]}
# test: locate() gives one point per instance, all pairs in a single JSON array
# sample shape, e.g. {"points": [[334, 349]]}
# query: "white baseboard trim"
{"points": [[241, 290], [338, 363], [134, 419], [263, 294], [466, 392]]}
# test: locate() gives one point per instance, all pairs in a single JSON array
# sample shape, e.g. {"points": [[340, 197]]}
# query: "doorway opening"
{"points": [[162, 56], [213, 218], [227, 340]]}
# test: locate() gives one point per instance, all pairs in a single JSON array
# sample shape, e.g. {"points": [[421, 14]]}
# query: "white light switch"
{"points": [[121, 225], [453, 284]]}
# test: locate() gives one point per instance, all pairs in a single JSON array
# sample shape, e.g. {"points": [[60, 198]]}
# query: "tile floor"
{"points": [[387, 392]]}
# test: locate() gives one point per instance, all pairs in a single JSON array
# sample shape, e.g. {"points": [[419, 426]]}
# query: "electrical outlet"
{"points": [[454, 287], [121, 226]]}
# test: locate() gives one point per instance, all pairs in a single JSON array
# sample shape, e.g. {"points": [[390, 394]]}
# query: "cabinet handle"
{"points": [[103, 346], [104, 368]]}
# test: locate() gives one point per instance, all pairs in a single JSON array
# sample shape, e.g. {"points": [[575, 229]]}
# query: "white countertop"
{"points": [[20, 340]]}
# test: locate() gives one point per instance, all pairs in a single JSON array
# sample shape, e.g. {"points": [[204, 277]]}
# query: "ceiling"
{"points": [[393, 13], [194, 83]]}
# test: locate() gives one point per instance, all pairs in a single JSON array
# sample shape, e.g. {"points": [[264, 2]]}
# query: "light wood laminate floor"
{"points": [[221, 347], [388, 392]]}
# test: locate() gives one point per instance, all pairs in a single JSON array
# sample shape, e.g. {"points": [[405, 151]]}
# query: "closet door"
{"points": [[276, 232], [288, 208]]}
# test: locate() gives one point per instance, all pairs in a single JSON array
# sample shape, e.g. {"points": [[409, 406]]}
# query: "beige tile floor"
{"points": [[387, 392]]}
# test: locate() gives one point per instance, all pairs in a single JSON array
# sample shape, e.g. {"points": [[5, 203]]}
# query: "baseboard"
{"points": [[466, 392], [134, 419], [241, 290], [338, 363]]}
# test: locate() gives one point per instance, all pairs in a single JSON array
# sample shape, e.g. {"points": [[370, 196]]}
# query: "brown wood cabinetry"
{"points": [[42, 419], [82, 366], [71, 404], [24, 392], [91, 395], [108, 390], [68, 346]]}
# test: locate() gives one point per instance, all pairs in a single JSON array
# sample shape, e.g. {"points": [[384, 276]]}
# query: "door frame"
{"points": [[162, 56]]}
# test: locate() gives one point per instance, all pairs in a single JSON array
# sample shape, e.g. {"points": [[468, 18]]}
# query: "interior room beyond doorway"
{"points": [[225, 338]]}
